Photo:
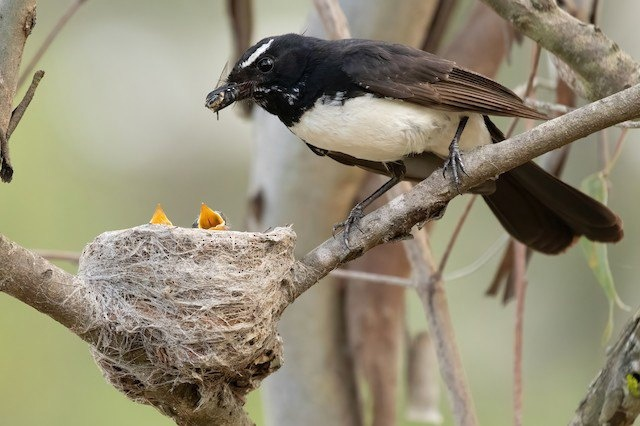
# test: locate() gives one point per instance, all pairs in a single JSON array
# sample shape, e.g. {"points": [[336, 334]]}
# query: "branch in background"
{"points": [[241, 17], [49, 39], [375, 323], [613, 397], [438, 25], [430, 288], [241, 14], [19, 111], [6, 170], [332, 16], [520, 274], [483, 43], [66, 256], [584, 48]]}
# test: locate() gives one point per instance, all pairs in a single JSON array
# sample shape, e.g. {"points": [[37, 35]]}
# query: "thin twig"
{"points": [[333, 18], [616, 152], [6, 169], [372, 277], [538, 83], [19, 110], [530, 81], [519, 270], [47, 41], [456, 232], [434, 301], [67, 256], [603, 148]]}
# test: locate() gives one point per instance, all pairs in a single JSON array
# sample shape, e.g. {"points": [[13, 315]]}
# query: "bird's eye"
{"points": [[265, 64]]}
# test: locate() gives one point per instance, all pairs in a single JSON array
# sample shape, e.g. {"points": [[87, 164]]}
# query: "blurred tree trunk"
{"points": [[290, 184]]}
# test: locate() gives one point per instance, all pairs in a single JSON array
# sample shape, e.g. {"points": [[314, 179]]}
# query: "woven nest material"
{"points": [[188, 306]]}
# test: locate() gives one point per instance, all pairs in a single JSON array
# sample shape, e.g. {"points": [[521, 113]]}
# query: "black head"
{"points": [[268, 71]]}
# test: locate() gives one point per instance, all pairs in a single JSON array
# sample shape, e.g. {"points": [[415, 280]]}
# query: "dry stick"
{"points": [[431, 292], [333, 18], [372, 277], [67, 256], [519, 269], [6, 170], [456, 232], [50, 37], [616, 153], [563, 109], [19, 110], [430, 288], [527, 92]]}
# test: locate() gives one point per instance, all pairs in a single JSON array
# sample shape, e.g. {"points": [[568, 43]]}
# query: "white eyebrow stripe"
{"points": [[255, 55]]}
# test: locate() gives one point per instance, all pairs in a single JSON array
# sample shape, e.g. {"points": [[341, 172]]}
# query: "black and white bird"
{"points": [[395, 110]]}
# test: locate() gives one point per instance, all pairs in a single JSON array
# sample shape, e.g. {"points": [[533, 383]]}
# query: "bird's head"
{"points": [[271, 66]]}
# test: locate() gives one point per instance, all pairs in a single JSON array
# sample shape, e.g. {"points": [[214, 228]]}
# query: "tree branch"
{"points": [[47, 42], [600, 66], [40, 284]]}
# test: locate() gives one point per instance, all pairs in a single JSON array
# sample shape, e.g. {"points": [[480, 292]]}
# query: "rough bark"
{"points": [[599, 66], [40, 284]]}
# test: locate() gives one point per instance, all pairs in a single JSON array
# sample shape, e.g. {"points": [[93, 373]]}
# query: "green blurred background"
{"points": [[118, 125]]}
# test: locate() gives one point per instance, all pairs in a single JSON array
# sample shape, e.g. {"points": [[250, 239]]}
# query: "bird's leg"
{"points": [[397, 171], [455, 156]]}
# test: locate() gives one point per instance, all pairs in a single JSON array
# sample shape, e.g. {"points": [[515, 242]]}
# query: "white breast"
{"points": [[382, 129]]}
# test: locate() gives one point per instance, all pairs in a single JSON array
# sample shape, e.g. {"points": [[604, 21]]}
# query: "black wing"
{"points": [[397, 71]]}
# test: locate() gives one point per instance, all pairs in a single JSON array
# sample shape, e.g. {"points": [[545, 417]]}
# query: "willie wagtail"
{"points": [[389, 108]]}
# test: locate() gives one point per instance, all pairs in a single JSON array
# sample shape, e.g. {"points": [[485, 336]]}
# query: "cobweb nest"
{"points": [[189, 308]]}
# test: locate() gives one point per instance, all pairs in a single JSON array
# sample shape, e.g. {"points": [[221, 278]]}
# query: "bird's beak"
{"points": [[210, 219], [227, 94]]}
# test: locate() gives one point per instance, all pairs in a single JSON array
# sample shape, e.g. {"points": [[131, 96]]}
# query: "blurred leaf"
{"points": [[596, 253]]}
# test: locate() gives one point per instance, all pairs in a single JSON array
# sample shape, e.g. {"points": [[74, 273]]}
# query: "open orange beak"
{"points": [[211, 219], [159, 218]]}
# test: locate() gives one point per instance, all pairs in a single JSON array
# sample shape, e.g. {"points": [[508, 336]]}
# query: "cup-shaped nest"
{"points": [[188, 307]]}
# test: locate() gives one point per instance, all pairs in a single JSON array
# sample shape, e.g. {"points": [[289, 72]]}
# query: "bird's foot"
{"points": [[454, 162], [352, 220]]}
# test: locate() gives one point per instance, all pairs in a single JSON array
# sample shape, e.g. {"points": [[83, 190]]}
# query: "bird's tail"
{"points": [[545, 213]]}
